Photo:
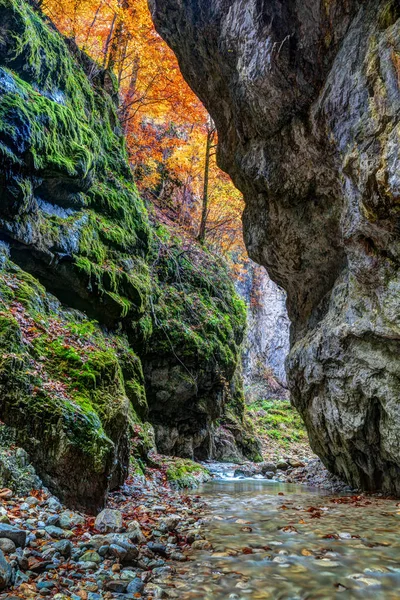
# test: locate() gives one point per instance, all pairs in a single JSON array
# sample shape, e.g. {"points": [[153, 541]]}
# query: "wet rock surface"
{"points": [[305, 96]]}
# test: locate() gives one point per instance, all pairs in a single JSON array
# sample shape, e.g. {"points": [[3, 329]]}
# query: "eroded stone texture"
{"points": [[305, 95]]}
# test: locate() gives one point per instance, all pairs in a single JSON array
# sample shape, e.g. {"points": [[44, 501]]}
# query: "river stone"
{"points": [[55, 532], [157, 548], [117, 585], [5, 572], [268, 467], [121, 541], [134, 532], [32, 501], [321, 185], [69, 519], [118, 551], [282, 465], [18, 536], [136, 586], [169, 523], [64, 547], [108, 521], [53, 504], [91, 556], [7, 546]]}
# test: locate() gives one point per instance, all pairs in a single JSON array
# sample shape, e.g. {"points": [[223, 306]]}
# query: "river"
{"points": [[289, 542]]}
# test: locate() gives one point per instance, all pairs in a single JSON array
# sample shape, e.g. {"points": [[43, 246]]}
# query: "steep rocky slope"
{"points": [[90, 291], [305, 95]]}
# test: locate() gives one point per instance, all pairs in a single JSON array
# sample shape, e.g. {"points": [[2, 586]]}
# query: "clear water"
{"points": [[281, 541]]}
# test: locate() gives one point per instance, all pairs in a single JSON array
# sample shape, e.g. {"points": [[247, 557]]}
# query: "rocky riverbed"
{"points": [[290, 469], [146, 530], [134, 548]]}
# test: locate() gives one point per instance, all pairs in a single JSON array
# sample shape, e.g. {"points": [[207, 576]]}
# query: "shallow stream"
{"points": [[284, 541]]}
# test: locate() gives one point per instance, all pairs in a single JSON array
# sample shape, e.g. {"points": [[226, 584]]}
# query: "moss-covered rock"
{"points": [[68, 204], [62, 388], [192, 355], [77, 245], [184, 473]]}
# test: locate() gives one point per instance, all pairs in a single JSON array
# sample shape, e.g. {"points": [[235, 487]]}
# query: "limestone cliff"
{"points": [[100, 309], [266, 343], [305, 95]]}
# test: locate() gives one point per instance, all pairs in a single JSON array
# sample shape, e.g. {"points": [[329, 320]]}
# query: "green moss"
{"points": [[184, 473], [54, 123], [197, 314], [65, 382], [278, 420]]}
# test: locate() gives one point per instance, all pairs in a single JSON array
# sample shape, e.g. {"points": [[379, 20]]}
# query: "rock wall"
{"points": [[305, 96], [266, 344], [106, 319]]}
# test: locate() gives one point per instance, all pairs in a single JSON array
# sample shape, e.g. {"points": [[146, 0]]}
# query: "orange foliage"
{"points": [[165, 124]]}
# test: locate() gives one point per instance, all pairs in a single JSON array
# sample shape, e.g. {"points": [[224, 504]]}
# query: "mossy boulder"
{"points": [[63, 389], [192, 355], [184, 473], [106, 320]]}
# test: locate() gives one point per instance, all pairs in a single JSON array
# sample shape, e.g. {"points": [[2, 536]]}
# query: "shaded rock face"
{"points": [[192, 356], [266, 343], [184, 407], [305, 95]]}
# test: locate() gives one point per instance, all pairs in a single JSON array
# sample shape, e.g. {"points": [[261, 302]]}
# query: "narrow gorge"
{"points": [[199, 299]]}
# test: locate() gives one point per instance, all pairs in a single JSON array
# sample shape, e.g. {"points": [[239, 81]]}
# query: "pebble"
{"points": [[136, 586], [117, 585], [69, 519], [55, 532], [108, 521], [64, 547], [91, 556]]}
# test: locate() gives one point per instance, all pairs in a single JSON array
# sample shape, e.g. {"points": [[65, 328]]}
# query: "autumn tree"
{"points": [[170, 138]]}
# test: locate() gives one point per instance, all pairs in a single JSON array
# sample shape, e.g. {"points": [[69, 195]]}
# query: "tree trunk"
{"points": [[204, 213]]}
